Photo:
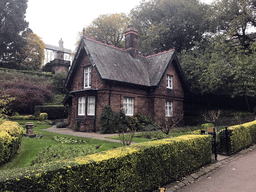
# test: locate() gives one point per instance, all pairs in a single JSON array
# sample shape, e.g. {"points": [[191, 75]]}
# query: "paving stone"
{"points": [[185, 181], [200, 173], [206, 170], [194, 175], [172, 189], [190, 179], [182, 184]]}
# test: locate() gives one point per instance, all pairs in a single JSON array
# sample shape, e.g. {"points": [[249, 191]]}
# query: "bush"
{"points": [[10, 140], [62, 124], [53, 111], [109, 121], [205, 125], [43, 116], [141, 167], [27, 95]]}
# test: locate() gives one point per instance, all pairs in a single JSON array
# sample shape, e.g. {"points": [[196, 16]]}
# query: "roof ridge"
{"points": [[105, 44], [159, 53]]}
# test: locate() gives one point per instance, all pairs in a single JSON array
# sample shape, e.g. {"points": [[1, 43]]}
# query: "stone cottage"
{"points": [[124, 79]]}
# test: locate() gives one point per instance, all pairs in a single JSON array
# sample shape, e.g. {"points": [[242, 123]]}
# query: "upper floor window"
{"points": [[91, 105], [169, 79], [87, 77], [128, 106], [81, 106]]}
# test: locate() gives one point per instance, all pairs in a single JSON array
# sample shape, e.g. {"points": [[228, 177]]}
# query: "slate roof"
{"points": [[116, 64], [56, 48]]}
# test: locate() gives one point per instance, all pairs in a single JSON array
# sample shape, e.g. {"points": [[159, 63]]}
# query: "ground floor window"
{"points": [[168, 109], [81, 106], [91, 105], [128, 106]]}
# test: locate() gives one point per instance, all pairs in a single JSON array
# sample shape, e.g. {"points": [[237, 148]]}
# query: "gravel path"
{"points": [[91, 135]]}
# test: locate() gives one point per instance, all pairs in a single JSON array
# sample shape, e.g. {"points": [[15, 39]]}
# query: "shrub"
{"points": [[23, 117], [205, 125], [43, 116], [27, 95], [10, 140], [141, 167], [62, 124], [109, 121]]}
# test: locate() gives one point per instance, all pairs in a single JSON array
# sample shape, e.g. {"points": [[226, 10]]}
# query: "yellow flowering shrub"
{"points": [[242, 136], [10, 139]]}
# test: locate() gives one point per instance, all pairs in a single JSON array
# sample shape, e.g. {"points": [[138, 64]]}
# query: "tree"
{"points": [[234, 17], [218, 66], [108, 28], [12, 23], [165, 24], [31, 55]]}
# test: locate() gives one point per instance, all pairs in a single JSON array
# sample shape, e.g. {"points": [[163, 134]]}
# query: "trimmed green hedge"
{"points": [[242, 136], [140, 167], [10, 140], [53, 111]]}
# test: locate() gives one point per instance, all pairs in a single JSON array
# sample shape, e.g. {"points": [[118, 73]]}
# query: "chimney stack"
{"points": [[131, 39]]}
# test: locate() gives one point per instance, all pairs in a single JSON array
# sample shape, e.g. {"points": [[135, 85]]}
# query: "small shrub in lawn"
{"points": [[67, 140], [60, 152], [62, 124]]}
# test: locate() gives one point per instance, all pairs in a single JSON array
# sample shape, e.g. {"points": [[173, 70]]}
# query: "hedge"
{"points": [[10, 140], [53, 111], [242, 136], [140, 167]]}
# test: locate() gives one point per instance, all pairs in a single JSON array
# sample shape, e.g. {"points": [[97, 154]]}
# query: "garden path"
{"points": [[91, 135]]}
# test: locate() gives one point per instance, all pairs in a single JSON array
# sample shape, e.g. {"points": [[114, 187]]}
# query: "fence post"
{"points": [[214, 143], [227, 140]]}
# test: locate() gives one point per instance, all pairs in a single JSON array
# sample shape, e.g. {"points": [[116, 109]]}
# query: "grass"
{"points": [[155, 135], [30, 147]]}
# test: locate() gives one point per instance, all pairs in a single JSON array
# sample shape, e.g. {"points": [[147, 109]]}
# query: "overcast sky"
{"points": [[55, 19]]}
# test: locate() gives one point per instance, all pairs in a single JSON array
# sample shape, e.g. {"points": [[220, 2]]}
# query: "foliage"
{"points": [[31, 55], [108, 28], [166, 124], [205, 125], [216, 66], [53, 111], [43, 116], [212, 116], [67, 140], [61, 152], [58, 83], [10, 140], [27, 95], [234, 17], [109, 121], [166, 24], [4, 101], [140, 167], [12, 23]]}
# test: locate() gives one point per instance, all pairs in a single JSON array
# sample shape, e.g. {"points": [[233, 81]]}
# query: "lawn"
{"points": [[155, 135], [31, 147]]}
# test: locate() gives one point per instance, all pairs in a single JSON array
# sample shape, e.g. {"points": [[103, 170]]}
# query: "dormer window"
{"points": [[87, 77], [169, 82]]}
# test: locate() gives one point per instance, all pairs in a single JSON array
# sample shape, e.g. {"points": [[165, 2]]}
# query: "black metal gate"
{"points": [[220, 145]]}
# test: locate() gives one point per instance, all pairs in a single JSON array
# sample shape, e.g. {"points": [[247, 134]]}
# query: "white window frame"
{"points": [[128, 106], [81, 106], [87, 77], [169, 79], [91, 100], [168, 108]]}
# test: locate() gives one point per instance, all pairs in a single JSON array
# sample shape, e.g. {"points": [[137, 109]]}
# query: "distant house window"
{"points": [[91, 105], [81, 106], [168, 109], [169, 82], [128, 106], [87, 77]]}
